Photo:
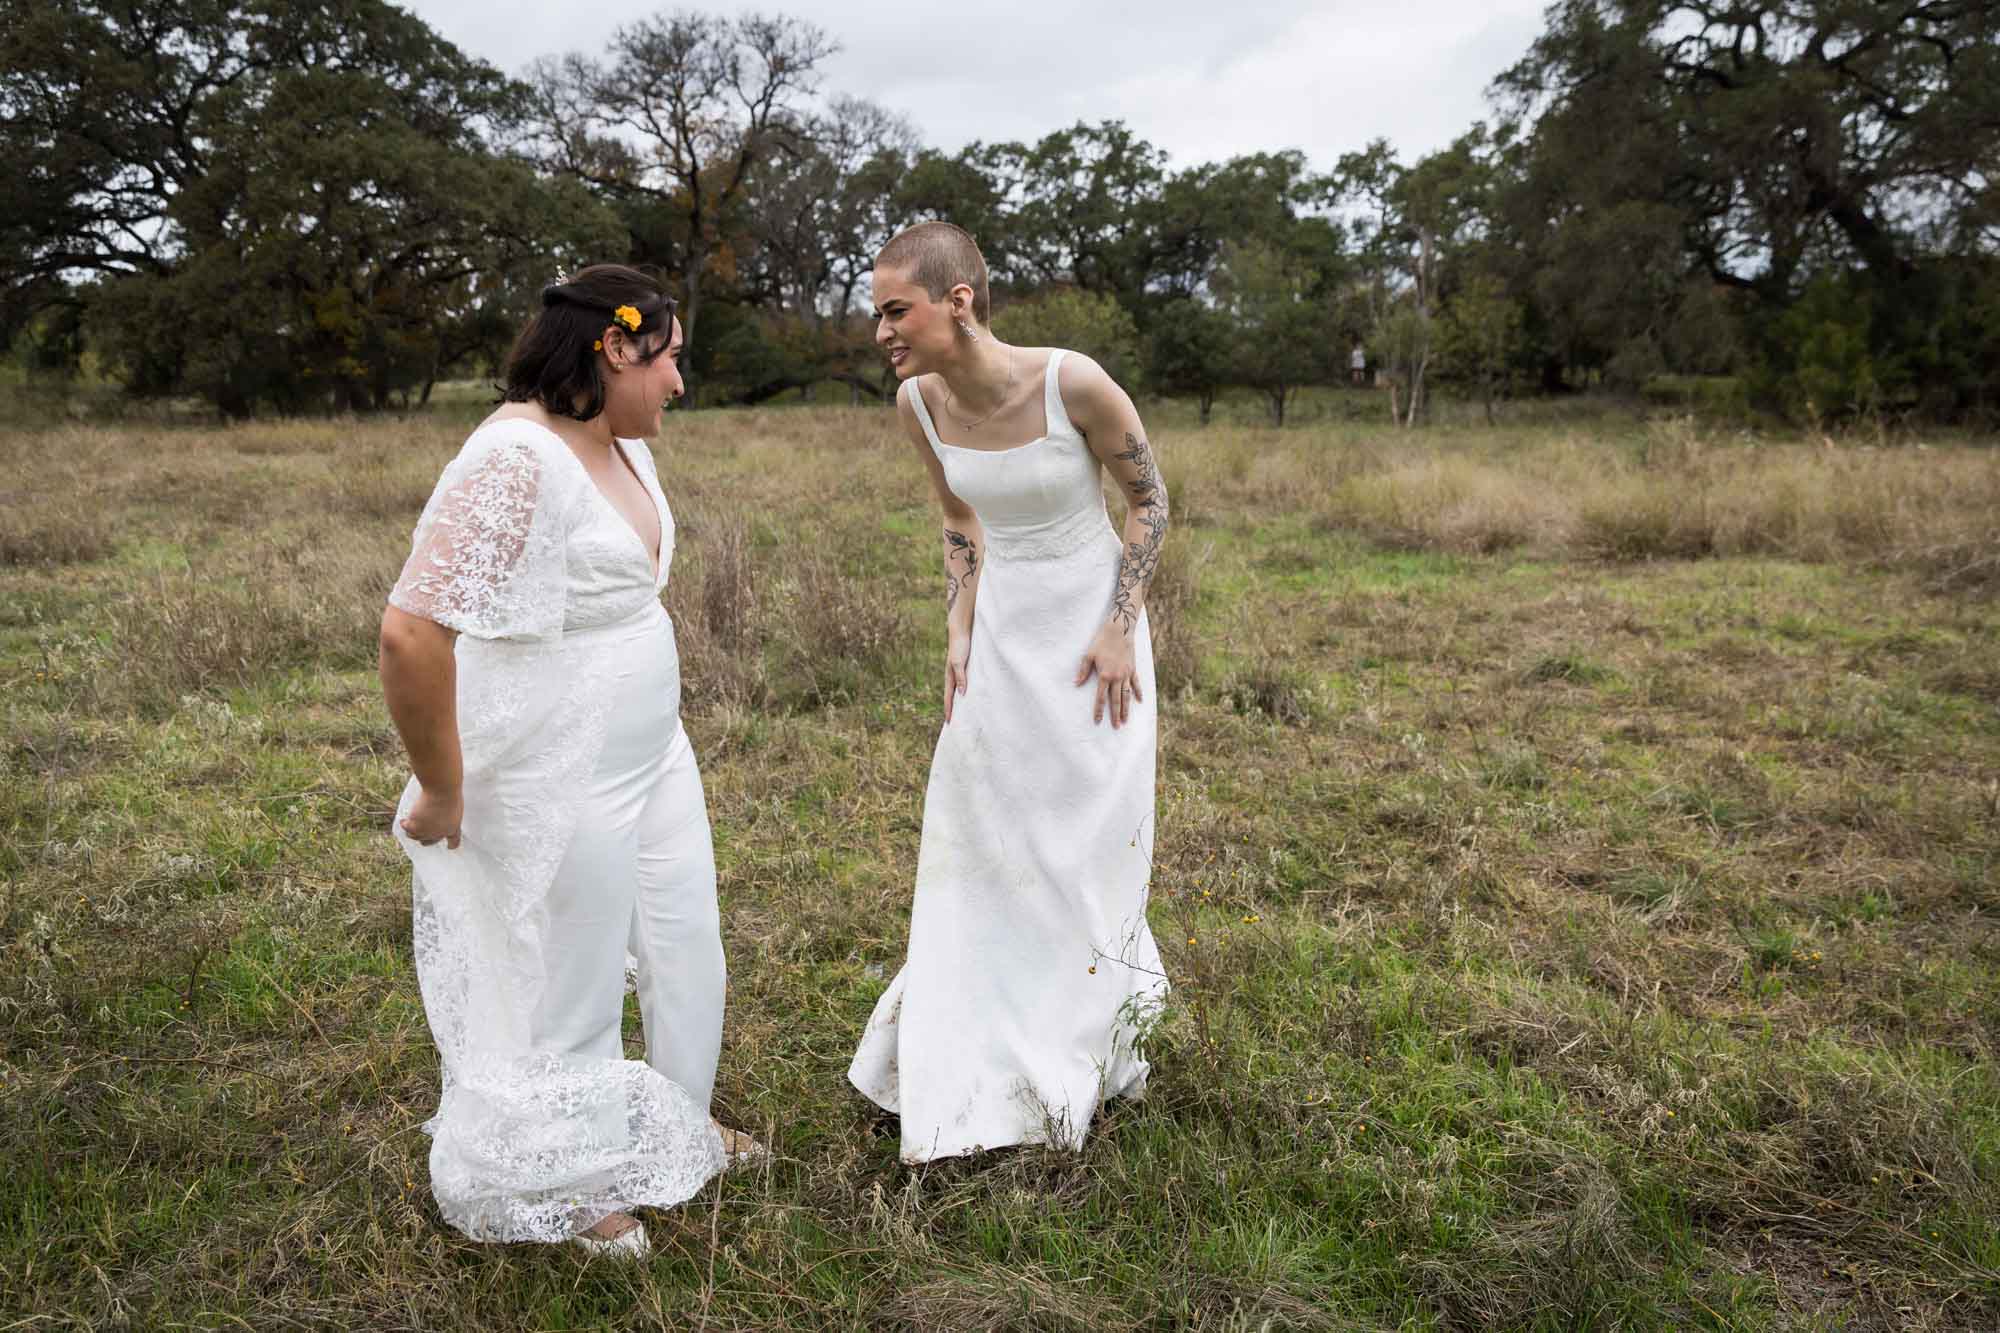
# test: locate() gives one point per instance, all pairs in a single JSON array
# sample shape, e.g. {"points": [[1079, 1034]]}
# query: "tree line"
{"points": [[323, 205]]}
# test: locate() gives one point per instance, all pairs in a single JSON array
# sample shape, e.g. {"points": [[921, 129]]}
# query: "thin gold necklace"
{"points": [[951, 397]]}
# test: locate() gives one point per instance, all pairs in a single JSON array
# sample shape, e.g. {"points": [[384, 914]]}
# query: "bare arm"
{"points": [[420, 685], [1145, 529], [964, 558], [1111, 427]]}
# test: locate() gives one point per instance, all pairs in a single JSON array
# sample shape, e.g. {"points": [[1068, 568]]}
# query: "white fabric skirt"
{"points": [[1031, 971]]}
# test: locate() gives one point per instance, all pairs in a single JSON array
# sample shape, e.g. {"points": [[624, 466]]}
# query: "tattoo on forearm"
{"points": [[961, 566], [1140, 558]]}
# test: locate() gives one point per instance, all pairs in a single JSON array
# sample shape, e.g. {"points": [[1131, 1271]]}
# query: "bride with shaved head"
{"points": [[1031, 973]]}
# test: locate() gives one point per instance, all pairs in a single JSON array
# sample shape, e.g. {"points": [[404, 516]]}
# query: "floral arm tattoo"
{"points": [[1139, 559], [961, 566]]}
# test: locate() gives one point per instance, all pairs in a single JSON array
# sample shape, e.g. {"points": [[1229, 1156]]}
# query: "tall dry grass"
{"points": [[1669, 493], [773, 609], [782, 624]]}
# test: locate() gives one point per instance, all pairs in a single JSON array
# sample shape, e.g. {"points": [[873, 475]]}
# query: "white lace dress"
{"points": [[1031, 968], [552, 593]]}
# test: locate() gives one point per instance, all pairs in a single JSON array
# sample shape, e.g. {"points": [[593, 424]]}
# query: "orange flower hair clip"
{"points": [[628, 316]]}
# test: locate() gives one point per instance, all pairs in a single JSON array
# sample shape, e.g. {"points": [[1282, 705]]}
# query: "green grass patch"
{"points": [[1576, 867]]}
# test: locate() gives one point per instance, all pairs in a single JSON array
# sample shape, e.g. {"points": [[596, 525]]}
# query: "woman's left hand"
{"points": [[1110, 660]]}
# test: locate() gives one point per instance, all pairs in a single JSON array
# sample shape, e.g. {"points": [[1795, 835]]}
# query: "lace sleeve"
{"points": [[487, 556]]}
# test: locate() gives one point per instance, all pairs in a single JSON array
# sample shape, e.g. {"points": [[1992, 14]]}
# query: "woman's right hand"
{"points": [[957, 659], [434, 816]]}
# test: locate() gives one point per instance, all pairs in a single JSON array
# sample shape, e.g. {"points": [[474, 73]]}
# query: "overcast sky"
{"points": [[1203, 81]]}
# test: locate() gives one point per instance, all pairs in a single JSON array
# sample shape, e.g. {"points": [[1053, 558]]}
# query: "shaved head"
{"points": [[938, 257]]}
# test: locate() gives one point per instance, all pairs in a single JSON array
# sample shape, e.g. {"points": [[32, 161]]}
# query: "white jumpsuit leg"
{"points": [[639, 874]]}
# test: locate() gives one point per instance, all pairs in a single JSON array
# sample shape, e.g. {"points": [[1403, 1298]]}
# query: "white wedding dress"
{"points": [[584, 834], [1031, 969]]}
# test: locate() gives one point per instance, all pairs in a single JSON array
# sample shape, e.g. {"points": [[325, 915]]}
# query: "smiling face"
{"points": [[918, 333], [642, 375]]}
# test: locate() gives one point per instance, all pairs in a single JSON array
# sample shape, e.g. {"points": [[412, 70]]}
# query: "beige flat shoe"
{"points": [[740, 1148], [629, 1243]]}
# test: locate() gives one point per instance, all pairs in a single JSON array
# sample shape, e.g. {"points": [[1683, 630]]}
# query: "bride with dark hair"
{"points": [[555, 819]]}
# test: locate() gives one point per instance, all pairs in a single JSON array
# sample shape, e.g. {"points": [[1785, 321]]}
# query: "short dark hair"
{"points": [[554, 361], [938, 257]]}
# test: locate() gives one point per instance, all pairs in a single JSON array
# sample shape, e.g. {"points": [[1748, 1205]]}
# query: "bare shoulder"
{"points": [[1089, 394], [531, 412], [906, 409], [524, 424], [1078, 372]]}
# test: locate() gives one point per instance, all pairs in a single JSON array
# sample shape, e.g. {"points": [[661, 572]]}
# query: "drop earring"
{"points": [[966, 329]]}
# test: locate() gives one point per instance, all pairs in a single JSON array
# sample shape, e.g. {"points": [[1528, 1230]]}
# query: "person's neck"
{"points": [[595, 432], [980, 377]]}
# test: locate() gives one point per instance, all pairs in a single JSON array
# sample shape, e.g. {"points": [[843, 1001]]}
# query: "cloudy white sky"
{"points": [[1203, 81]]}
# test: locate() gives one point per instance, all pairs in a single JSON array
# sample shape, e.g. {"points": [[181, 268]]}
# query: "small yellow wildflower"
{"points": [[597, 346], [628, 316], [1190, 939]]}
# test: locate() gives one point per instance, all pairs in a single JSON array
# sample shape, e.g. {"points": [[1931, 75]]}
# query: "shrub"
{"points": [[61, 536], [1086, 322]]}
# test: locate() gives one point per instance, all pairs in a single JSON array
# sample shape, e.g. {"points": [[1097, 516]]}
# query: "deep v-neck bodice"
{"points": [[654, 556], [659, 554], [608, 572]]}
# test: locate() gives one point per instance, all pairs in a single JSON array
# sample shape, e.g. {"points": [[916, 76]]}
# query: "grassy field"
{"points": [[1579, 869]]}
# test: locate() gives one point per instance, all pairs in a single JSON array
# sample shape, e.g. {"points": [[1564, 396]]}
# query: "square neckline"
{"points": [[1050, 391]]}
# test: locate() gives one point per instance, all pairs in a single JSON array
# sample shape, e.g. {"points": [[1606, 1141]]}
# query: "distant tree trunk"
{"points": [[690, 306], [1426, 297], [856, 386], [758, 393], [1207, 400]]}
